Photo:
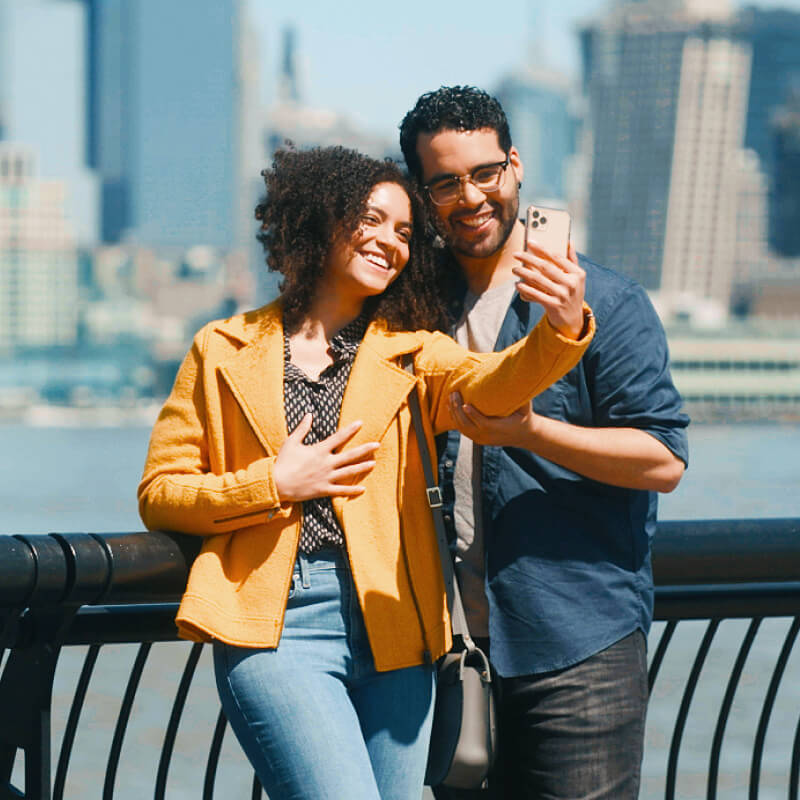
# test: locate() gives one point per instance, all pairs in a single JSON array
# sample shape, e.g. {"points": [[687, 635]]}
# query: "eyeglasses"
{"points": [[487, 178]]}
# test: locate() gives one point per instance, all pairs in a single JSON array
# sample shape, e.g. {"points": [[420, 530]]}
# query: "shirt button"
{"points": [[448, 464], [448, 518]]}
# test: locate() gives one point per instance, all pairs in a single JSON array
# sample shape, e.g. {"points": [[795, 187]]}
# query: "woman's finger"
{"points": [[334, 489], [351, 470], [342, 436], [302, 429], [354, 454]]}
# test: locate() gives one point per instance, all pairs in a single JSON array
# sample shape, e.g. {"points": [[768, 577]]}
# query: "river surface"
{"points": [[84, 479]]}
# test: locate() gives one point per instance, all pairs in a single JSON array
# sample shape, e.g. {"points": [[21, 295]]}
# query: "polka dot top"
{"points": [[323, 399]]}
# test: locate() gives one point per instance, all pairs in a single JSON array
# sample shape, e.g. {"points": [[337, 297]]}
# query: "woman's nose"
{"points": [[384, 236]]}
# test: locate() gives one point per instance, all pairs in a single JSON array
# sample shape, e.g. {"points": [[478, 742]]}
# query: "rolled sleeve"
{"points": [[629, 366]]}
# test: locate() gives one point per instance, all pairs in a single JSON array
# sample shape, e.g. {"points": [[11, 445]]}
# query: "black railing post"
{"points": [[61, 583]]}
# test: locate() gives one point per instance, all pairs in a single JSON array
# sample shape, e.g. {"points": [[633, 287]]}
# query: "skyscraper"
{"points": [[772, 116], [537, 103], [784, 196], [167, 94], [774, 36], [42, 78], [38, 257], [667, 85]]}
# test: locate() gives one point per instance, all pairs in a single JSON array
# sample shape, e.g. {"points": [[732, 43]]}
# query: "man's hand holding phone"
{"points": [[549, 278]]}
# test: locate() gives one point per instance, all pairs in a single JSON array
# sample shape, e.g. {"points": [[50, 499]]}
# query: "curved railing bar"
{"points": [[769, 702], [658, 656], [727, 704], [72, 721], [683, 711], [175, 719], [213, 756], [122, 720], [256, 793]]}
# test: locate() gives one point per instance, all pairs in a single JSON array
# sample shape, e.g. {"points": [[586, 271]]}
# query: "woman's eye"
{"points": [[369, 219], [404, 236]]}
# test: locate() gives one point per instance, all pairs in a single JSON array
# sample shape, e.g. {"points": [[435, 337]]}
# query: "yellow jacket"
{"points": [[213, 447]]}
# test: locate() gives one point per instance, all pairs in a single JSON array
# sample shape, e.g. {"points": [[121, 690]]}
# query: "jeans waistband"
{"points": [[330, 558]]}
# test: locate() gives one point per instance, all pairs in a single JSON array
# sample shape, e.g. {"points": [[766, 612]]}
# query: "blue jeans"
{"points": [[573, 734], [314, 717]]}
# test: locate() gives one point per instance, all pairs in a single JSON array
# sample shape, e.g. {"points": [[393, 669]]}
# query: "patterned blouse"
{"points": [[323, 399]]}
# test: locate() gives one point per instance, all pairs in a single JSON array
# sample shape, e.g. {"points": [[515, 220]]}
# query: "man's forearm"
{"points": [[625, 457]]}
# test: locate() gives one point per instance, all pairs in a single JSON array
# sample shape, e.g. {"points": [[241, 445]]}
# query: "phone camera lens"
{"points": [[543, 220], [535, 214], [535, 224]]}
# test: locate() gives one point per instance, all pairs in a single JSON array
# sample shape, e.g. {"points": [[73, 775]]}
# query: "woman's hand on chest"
{"points": [[304, 471]]}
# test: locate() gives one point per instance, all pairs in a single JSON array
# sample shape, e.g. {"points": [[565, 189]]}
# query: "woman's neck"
{"points": [[310, 341], [328, 315]]}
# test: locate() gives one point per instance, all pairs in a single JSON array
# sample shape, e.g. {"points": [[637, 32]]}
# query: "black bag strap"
{"points": [[454, 604]]}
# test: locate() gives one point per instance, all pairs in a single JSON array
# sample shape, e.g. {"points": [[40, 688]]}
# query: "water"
{"points": [[84, 479]]}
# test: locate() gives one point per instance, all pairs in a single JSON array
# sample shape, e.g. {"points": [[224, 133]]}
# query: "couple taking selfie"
{"points": [[287, 443]]}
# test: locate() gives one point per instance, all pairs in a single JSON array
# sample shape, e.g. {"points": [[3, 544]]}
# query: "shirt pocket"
{"points": [[568, 399], [551, 402]]}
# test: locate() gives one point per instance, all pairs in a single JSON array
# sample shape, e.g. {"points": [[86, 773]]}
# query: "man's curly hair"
{"points": [[451, 108], [314, 197]]}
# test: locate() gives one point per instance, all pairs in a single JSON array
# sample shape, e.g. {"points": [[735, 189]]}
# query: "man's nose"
{"points": [[470, 194]]}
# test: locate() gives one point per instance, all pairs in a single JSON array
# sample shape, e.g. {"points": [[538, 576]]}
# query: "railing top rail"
{"points": [[726, 551], [152, 567]]}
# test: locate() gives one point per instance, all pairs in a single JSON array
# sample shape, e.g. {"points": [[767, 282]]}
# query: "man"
{"points": [[552, 509]]}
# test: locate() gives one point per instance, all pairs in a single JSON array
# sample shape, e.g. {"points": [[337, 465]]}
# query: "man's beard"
{"points": [[505, 213]]}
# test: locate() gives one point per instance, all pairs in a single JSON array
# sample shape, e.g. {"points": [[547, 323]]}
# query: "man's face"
{"points": [[477, 223]]}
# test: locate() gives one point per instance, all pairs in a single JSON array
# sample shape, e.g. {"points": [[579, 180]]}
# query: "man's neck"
{"points": [[482, 274]]}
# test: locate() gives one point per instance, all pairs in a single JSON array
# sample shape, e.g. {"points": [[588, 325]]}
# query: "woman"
{"points": [[319, 539]]}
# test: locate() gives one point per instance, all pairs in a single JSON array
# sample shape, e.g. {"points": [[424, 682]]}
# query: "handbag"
{"points": [[463, 744]]}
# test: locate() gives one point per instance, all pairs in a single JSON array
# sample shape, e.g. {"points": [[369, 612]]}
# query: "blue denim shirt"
{"points": [[568, 558]]}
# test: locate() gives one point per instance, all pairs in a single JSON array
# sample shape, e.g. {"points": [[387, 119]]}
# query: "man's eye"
{"points": [[485, 174]]}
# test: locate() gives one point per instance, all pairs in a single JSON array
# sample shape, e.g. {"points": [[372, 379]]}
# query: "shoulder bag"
{"points": [[464, 735]]}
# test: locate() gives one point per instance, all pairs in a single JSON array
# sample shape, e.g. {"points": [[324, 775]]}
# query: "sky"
{"points": [[373, 59]]}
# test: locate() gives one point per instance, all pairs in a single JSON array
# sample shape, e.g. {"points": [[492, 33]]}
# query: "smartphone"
{"points": [[549, 228]]}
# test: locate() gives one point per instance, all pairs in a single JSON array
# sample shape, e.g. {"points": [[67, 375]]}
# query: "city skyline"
{"points": [[354, 59]]}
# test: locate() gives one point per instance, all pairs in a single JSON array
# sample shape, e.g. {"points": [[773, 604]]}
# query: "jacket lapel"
{"points": [[376, 389], [377, 386], [255, 377]]}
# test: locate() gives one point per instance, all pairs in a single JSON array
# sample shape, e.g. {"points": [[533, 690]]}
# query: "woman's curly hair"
{"points": [[315, 196]]}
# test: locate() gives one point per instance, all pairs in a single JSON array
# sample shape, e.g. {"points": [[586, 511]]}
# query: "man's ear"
{"points": [[516, 162]]}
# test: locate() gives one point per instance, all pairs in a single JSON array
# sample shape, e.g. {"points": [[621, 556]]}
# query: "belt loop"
{"points": [[305, 576]]}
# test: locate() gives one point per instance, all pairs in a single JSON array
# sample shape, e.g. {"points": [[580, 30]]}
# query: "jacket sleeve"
{"points": [[627, 369], [178, 490], [497, 384]]}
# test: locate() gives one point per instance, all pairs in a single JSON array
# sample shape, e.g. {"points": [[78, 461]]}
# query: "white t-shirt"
{"points": [[477, 330]]}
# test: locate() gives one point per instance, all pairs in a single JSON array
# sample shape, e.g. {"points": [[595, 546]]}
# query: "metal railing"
{"points": [[94, 590]]}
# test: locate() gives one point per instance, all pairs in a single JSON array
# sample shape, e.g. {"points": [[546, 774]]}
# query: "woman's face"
{"points": [[378, 251]]}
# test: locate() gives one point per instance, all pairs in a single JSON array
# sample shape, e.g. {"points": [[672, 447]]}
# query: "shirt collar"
{"points": [[347, 340], [344, 343]]}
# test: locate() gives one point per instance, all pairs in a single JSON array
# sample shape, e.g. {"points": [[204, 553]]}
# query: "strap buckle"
{"points": [[434, 497]]}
